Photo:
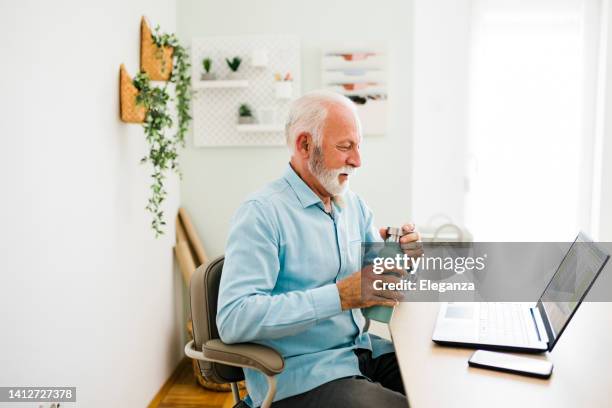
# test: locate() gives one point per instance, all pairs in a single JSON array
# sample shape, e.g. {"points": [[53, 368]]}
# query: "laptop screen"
{"points": [[570, 284]]}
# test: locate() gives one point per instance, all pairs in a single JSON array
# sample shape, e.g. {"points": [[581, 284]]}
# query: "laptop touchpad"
{"points": [[459, 312]]}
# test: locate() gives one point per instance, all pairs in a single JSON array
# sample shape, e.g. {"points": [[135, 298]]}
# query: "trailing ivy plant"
{"points": [[180, 77], [163, 150]]}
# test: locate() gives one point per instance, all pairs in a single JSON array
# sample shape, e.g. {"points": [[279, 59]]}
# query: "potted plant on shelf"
{"points": [[233, 65], [245, 115], [207, 75]]}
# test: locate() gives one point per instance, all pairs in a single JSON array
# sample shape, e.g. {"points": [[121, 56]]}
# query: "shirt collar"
{"points": [[305, 195]]}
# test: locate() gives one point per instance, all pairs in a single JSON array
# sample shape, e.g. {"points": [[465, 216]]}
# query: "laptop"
{"points": [[521, 326]]}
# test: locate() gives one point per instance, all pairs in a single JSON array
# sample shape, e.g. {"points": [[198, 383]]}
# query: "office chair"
{"points": [[219, 362]]}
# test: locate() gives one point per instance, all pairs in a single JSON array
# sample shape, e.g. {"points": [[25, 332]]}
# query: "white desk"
{"points": [[436, 376]]}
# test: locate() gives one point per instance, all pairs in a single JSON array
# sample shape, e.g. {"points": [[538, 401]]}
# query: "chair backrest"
{"points": [[204, 292]]}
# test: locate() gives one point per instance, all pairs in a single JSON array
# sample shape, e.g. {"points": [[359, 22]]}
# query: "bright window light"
{"points": [[527, 136]]}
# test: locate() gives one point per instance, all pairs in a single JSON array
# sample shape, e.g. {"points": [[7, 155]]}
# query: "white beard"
{"points": [[329, 178]]}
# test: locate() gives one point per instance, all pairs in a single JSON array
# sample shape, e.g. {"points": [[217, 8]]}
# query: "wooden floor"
{"points": [[182, 390]]}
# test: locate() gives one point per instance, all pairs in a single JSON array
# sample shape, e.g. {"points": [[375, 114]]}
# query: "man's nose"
{"points": [[354, 158]]}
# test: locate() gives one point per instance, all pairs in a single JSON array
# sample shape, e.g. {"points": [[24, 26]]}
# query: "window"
{"points": [[532, 92]]}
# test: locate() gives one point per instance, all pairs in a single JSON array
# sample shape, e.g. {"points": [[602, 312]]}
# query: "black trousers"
{"points": [[380, 386]]}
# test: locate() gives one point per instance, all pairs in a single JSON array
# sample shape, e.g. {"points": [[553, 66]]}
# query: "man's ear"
{"points": [[304, 144]]}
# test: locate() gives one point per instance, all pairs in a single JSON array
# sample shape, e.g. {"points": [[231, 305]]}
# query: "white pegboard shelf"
{"points": [[220, 84], [260, 128], [215, 106]]}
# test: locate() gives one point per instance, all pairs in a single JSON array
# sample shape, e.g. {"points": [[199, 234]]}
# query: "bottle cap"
{"points": [[394, 234]]}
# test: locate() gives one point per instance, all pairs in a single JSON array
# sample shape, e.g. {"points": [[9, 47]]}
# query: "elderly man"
{"points": [[291, 278]]}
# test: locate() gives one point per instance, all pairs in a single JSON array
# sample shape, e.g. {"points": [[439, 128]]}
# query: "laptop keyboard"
{"points": [[502, 323]]}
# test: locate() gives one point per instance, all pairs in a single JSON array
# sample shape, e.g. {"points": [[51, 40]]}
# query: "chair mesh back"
{"points": [[204, 292]]}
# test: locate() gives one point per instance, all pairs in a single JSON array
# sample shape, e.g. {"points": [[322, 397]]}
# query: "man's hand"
{"points": [[410, 242], [351, 296]]}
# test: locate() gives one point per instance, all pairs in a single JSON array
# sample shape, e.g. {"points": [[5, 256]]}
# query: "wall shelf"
{"points": [[221, 84], [260, 128], [360, 73], [216, 103]]}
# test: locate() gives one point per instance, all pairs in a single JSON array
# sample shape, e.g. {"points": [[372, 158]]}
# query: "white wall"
{"points": [[216, 180], [88, 296], [441, 62], [603, 160]]}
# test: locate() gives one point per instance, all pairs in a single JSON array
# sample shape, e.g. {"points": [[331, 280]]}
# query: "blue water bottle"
{"points": [[391, 248]]}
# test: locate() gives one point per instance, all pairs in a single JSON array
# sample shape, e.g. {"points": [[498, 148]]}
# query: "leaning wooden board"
{"points": [[185, 261], [192, 237], [190, 254]]}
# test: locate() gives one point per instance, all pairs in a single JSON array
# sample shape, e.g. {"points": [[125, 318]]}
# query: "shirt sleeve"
{"points": [[247, 308]]}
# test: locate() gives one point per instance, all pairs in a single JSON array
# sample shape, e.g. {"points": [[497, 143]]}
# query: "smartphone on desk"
{"points": [[510, 363]]}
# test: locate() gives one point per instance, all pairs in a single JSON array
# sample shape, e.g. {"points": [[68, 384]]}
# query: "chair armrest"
{"points": [[250, 355]]}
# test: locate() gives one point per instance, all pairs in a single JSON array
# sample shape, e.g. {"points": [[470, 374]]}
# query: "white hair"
{"points": [[308, 113]]}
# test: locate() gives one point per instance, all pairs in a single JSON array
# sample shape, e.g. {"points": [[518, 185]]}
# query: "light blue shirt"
{"points": [[283, 257]]}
